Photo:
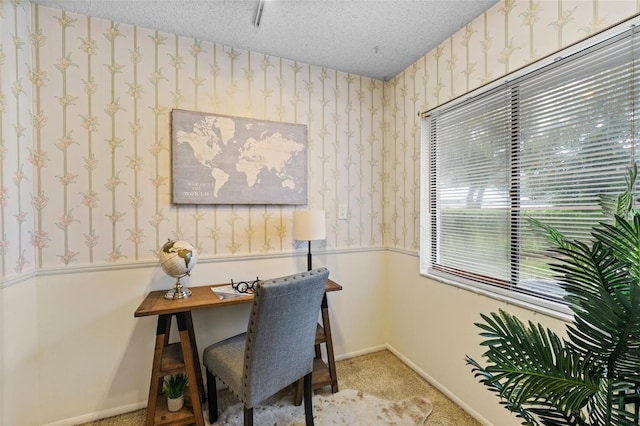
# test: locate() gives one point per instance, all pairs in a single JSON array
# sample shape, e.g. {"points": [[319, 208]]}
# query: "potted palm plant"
{"points": [[174, 387], [593, 376]]}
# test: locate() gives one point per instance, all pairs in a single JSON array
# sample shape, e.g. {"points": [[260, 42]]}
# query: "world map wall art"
{"points": [[219, 159]]}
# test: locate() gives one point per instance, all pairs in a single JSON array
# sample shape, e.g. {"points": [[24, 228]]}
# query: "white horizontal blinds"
{"points": [[469, 194], [576, 141], [545, 145]]}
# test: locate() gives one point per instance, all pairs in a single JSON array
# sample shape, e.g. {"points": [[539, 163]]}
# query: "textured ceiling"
{"points": [[373, 38]]}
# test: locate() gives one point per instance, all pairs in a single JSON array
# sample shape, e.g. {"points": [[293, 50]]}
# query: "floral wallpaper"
{"points": [[101, 148], [16, 171], [512, 34], [85, 167]]}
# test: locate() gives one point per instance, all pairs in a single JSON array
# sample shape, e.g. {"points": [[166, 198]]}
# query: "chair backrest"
{"points": [[281, 333]]}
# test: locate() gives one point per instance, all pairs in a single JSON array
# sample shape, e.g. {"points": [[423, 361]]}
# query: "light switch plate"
{"points": [[342, 211]]}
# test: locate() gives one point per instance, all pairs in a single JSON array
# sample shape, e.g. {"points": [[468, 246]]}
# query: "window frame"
{"points": [[427, 192]]}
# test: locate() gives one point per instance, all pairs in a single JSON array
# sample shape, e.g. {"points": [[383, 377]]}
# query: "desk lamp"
{"points": [[309, 225]]}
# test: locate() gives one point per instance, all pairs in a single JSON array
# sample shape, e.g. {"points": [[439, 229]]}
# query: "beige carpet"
{"points": [[380, 374], [345, 408]]}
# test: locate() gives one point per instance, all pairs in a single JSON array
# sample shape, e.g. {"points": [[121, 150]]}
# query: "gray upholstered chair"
{"points": [[276, 350]]}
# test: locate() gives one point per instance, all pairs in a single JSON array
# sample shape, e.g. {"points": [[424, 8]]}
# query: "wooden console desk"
{"points": [[183, 356]]}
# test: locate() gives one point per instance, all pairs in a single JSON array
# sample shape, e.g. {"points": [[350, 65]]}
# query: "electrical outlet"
{"points": [[342, 211]]}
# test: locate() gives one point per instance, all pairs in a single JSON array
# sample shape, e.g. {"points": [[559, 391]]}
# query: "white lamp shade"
{"points": [[309, 225]]}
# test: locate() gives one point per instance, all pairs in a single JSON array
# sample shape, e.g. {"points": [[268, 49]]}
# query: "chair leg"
{"points": [[248, 416], [297, 399], [212, 397], [308, 408]]}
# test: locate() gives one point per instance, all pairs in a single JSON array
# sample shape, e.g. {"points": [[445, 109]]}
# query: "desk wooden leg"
{"points": [[190, 356], [329, 342], [323, 375], [162, 336], [196, 357]]}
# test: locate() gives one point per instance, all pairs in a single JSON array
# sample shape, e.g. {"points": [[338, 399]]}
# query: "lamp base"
{"points": [[177, 292]]}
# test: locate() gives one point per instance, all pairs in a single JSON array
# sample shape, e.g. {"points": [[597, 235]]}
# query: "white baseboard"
{"points": [[90, 417], [114, 411], [132, 407], [473, 413], [361, 352]]}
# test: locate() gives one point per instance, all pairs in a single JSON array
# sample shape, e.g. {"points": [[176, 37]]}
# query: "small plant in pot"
{"points": [[174, 387]]}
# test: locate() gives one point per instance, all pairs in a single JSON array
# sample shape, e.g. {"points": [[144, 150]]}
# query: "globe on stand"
{"points": [[177, 259]]}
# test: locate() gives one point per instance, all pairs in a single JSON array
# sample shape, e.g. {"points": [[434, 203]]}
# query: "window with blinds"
{"points": [[544, 145]]}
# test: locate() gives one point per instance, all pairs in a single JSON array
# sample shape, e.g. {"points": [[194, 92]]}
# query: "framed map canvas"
{"points": [[219, 159]]}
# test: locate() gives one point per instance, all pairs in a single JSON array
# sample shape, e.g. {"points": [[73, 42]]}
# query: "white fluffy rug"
{"points": [[347, 407]]}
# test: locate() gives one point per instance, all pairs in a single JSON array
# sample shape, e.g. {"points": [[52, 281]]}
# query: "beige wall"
{"points": [[19, 351], [432, 330], [85, 201], [94, 343], [431, 323]]}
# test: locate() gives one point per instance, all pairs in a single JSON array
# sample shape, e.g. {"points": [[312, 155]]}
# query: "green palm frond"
{"points": [[604, 408], [592, 377], [552, 235], [622, 204], [602, 290], [622, 239], [486, 378], [534, 365]]}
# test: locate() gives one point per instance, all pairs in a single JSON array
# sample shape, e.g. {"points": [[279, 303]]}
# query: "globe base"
{"points": [[177, 292]]}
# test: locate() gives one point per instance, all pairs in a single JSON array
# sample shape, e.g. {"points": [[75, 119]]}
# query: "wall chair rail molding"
{"points": [[18, 279]]}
